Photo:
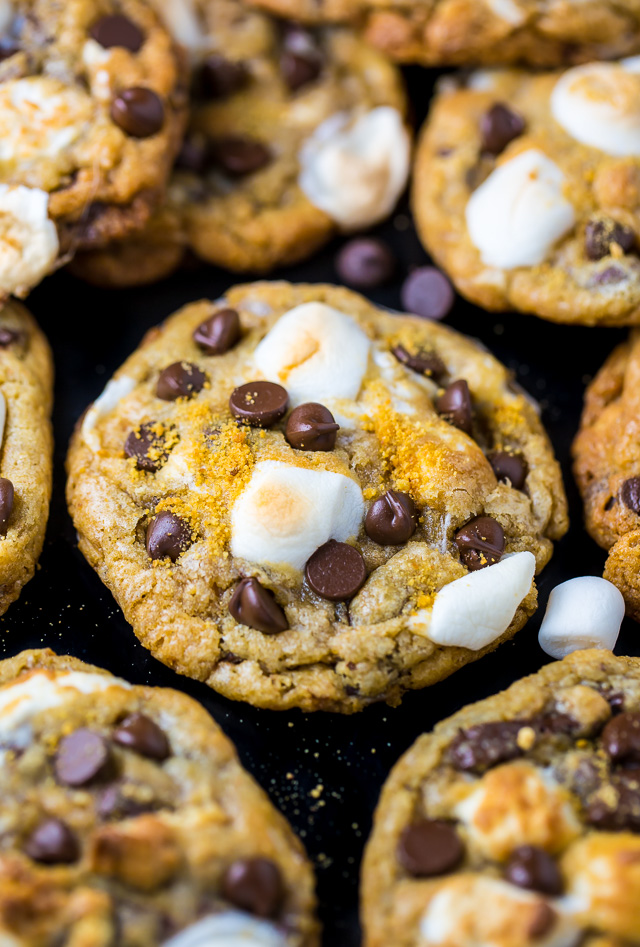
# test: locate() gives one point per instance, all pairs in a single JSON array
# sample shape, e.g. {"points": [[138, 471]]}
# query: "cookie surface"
{"points": [[516, 822], [527, 191], [129, 820], [288, 563]]}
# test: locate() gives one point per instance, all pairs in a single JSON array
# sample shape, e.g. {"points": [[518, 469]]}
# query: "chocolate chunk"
{"points": [[255, 606], [117, 30], [141, 734], [365, 263], [6, 503], [455, 406], [429, 847], [167, 536], [259, 403], [428, 293], [311, 426], [391, 519], [254, 885], [601, 234], [336, 571], [82, 757], [9, 336], [425, 363], [219, 333], [52, 843], [301, 59], [221, 78], [180, 380], [555, 722], [630, 494], [139, 112], [239, 155], [621, 738], [147, 446], [499, 126], [609, 276], [509, 468], [481, 543], [623, 813], [531, 867], [485, 745]]}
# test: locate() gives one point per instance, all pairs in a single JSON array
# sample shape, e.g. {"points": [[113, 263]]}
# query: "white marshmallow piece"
{"points": [[510, 11], [114, 391], [517, 215], [287, 512], [28, 238], [598, 104], [585, 612], [474, 610], [181, 19], [316, 352], [228, 929], [7, 14], [41, 117], [355, 171]]}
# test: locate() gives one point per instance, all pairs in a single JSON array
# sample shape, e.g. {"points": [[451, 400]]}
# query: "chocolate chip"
{"points": [[117, 30], [52, 843], [114, 803], [601, 234], [336, 571], [139, 112], [621, 814], [485, 745], [481, 542], [428, 293], [167, 536], [180, 380], [239, 155], [509, 468], [543, 921], [255, 606], [141, 734], [365, 263], [9, 336], [429, 847], [193, 155], [311, 426], [630, 494], [259, 403], [6, 503], [391, 519], [147, 445], [531, 867], [82, 757], [455, 406], [499, 126], [254, 885], [425, 363], [608, 276], [219, 333], [621, 738], [301, 60], [221, 78]]}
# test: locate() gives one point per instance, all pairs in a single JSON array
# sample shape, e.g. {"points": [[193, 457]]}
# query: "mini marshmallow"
{"points": [[228, 929], [28, 238], [356, 170], [287, 512], [474, 610], [511, 11], [181, 19], [316, 352], [114, 391], [516, 216], [582, 613]]}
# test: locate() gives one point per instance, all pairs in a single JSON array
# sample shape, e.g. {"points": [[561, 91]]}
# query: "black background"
{"points": [[324, 771]]}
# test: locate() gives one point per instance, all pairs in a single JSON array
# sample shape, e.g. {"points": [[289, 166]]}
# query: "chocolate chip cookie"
{"points": [[92, 110], [128, 820], [294, 135], [306, 501], [527, 190], [517, 821]]}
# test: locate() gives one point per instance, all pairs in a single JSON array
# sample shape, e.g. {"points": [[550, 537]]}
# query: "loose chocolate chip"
{"points": [[6, 503], [621, 738], [239, 155], [219, 333], [311, 426], [630, 494], [82, 757], [221, 78], [259, 403], [601, 234], [365, 263], [425, 363], [531, 867], [139, 112], [180, 380], [481, 542], [141, 734], [391, 520], [117, 30], [336, 571], [301, 60], [429, 847], [486, 745], [455, 406], [167, 536], [428, 293], [254, 885], [147, 446], [499, 126], [52, 843], [255, 606], [509, 468], [9, 336], [621, 813]]}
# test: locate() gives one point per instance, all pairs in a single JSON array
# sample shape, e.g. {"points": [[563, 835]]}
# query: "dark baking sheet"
{"points": [[324, 771]]}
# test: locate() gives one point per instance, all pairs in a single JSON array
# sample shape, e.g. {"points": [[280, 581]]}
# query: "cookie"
{"points": [[92, 111], [516, 822], [527, 191], [473, 32], [294, 135], [128, 820], [296, 497]]}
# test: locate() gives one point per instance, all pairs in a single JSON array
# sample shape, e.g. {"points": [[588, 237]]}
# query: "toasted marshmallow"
{"points": [[40, 117], [477, 608], [604, 874], [316, 352], [516, 216], [228, 929], [355, 171], [598, 104], [287, 512], [28, 238], [585, 612], [181, 19], [114, 391], [511, 11]]}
